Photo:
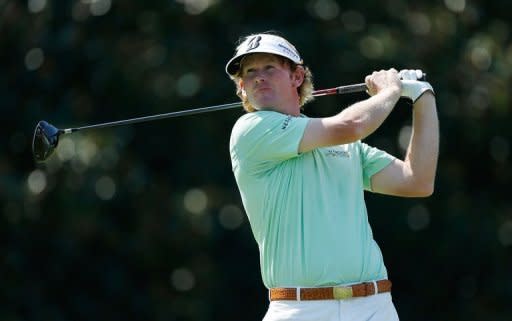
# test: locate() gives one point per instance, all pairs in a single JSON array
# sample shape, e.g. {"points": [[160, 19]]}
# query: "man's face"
{"points": [[268, 82]]}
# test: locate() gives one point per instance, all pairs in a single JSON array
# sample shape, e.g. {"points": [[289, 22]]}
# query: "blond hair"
{"points": [[305, 90]]}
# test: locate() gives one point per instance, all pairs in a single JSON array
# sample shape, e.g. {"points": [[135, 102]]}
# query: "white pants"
{"points": [[377, 307]]}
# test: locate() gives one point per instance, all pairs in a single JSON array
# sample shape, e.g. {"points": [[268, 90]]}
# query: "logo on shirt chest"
{"points": [[337, 153], [286, 122]]}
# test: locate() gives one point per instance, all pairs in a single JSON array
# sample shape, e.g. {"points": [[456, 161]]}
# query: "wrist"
{"points": [[392, 92]]}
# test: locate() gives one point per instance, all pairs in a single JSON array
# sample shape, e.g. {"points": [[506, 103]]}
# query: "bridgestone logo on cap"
{"points": [[253, 43]]}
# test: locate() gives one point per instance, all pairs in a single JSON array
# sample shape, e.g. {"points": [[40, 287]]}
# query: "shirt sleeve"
{"points": [[373, 160], [262, 139]]}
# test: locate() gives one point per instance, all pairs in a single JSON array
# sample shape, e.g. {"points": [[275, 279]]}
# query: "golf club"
{"points": [[46, 136]]}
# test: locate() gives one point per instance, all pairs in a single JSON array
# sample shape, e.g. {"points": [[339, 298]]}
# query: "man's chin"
{"points": [[264, 104]]}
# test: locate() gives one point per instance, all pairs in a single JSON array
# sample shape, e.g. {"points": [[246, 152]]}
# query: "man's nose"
{"points": [[259, 77]]}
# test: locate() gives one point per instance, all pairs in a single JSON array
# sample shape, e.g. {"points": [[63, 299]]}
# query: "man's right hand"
{"points": [[383, 80]]}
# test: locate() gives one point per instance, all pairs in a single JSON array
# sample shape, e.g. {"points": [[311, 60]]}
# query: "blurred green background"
{"points": [[145, 222]]}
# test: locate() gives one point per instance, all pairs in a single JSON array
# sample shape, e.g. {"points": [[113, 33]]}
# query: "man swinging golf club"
{"points": [[302, 181]]}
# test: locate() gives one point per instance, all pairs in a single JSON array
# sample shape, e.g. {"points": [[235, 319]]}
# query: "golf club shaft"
{"points": [[156, 117], [323, 92], [340, 90]]}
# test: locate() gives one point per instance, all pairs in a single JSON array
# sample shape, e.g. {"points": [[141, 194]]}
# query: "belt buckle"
{"points": [[342, 292], [370, 288]]}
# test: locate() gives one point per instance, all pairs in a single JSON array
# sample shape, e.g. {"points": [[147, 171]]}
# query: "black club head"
{"points": [[46, 138]]}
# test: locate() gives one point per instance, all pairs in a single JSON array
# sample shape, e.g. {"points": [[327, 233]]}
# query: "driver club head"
{"points": [[46, 138]]}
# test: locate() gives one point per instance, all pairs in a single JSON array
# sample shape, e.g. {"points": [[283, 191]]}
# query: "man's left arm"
{"points": [[415, 175]]}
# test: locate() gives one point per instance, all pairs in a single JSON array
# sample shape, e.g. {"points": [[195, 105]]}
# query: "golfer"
{"points": [[302, 181]]}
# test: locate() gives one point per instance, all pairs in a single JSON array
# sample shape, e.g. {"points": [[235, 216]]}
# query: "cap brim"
{"points": [[233, 65]]}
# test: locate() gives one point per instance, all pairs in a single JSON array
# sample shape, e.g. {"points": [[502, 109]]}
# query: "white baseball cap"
{"points": [[262, 43]]}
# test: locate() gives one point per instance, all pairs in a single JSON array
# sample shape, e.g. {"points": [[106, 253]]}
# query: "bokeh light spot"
{"points": [[195, 201], [404, 136], [325, 9], [188, 85], [455, 5], [100, 7], [105, 188], [418, 218], [66, 149], [34, 59], [36, 182], [35, 6], [371, 47], [419, 23], [195, 7], [231, 217], [183, 279], [481, 58], [86, 150]]}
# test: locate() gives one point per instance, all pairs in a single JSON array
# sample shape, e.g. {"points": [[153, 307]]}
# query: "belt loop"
{"points": [[297, 291], [269, 295], [375, 288]]}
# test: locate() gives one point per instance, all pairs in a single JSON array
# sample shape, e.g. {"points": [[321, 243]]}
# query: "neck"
{"points": [[287, 109]]}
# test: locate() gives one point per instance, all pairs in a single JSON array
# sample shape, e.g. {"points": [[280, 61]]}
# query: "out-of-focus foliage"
{"points": [[145, 222]]}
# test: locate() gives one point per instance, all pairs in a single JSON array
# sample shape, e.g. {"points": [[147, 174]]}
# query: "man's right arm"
{"points": [[359, 120]]}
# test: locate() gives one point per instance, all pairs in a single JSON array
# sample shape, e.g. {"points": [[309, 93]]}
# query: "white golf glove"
{"points": [[412, 85]]}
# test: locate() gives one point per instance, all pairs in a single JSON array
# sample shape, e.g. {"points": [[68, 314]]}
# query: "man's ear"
{"points": [[241, 86], [298, 76]]}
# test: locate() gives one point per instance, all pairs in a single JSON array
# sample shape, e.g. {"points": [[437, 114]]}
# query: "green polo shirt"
{"points": [[306, 211]]}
